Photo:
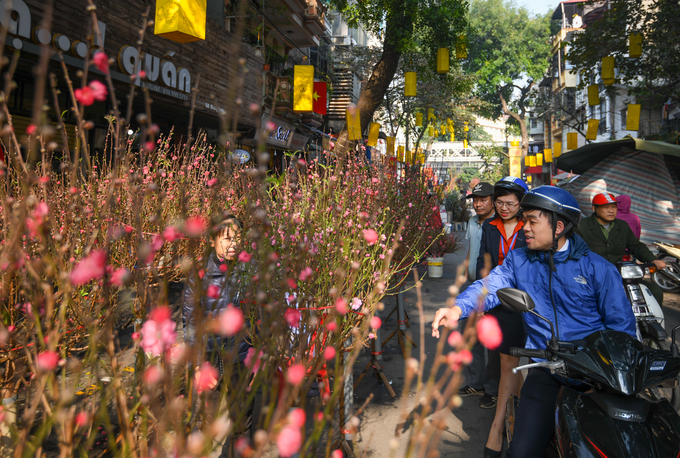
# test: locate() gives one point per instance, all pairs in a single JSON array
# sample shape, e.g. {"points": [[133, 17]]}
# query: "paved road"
{"points": [[467, 426]]}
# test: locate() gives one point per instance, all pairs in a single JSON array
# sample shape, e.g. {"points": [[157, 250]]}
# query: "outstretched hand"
{"points": [[444, 316]]}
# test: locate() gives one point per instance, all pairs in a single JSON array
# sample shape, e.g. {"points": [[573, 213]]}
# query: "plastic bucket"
{"points": [[435, 267]]}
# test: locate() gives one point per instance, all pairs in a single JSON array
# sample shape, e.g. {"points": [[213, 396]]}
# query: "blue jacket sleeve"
{"points": [[612, 302], [500, 277]]}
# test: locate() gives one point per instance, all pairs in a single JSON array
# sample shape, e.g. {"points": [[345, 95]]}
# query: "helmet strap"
{"points": [[553, 249]]}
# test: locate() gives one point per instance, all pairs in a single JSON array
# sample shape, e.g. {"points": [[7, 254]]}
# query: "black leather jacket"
{"points": [[231, 287]]}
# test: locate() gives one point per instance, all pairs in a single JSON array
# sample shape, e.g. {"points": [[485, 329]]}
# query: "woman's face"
{"points": [[225, 244], [507, 206]]}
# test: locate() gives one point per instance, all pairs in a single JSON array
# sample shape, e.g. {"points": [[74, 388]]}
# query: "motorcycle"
{"points": [[617, 417], [668, 279]]}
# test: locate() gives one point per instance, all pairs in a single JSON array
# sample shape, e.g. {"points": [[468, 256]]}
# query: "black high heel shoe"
{"points": [[488, 453]]}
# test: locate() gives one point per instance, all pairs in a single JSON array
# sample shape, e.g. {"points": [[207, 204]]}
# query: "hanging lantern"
{"points": [[182, 21], [527, 161], [419, 120], [453, 137], [529, 178], [608, 70], [390, 146], [572, 140], [591, 133], [409, 157], [442, 60], [420, 158], [635, 45], [465, 143], [436, 132], [430, 115], [449, 126], [400, 153], [410, 84], [532, 161], [557, 149], [461, 47], [354, 124], [431, 131], [547, 154], [633, 117], [466, 128], [593, 95], [373, 131], [539, 159], [303, 88]]}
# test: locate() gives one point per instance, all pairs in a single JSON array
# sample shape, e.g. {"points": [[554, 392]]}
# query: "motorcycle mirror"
{"points": [[516, 300]]}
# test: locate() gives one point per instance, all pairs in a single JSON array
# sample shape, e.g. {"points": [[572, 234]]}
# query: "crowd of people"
{"points": [[537, 241]]}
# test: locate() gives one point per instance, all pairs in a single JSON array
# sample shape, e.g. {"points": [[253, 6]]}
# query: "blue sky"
{"points": [[539, 6]]}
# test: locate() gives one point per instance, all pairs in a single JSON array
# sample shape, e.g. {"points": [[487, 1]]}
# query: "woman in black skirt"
{"points": [[500, 235]]}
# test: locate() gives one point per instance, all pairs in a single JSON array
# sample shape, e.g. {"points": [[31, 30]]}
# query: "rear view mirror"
{"points": [[515, 299]]}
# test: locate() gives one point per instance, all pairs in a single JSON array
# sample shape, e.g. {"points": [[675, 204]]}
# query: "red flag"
{"points": [[319, 97]]}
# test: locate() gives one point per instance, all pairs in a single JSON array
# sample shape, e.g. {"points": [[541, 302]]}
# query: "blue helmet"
{"points": [[553, 199], [512, 184]]}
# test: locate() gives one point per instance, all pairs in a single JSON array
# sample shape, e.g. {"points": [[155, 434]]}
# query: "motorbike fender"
{"points": [[583, 428], [653, 329], [653, 305]]}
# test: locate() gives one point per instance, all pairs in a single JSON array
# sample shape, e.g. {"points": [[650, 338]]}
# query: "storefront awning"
{"points": [[534, 170]]}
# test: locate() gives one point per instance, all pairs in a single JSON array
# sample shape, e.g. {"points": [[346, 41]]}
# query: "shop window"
{"points": [[624, 118]]}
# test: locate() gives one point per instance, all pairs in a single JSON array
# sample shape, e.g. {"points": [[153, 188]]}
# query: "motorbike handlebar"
{"points": [[528, 352]]}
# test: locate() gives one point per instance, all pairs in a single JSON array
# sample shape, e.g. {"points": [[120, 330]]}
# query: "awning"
{"points": [[537, 170], [584, 158]]}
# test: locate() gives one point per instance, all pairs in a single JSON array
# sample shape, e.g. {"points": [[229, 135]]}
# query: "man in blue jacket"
{"points": [[578, 290]]}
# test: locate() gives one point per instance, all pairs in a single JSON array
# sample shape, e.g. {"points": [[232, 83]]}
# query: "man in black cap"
{"points": [[481, 377]]}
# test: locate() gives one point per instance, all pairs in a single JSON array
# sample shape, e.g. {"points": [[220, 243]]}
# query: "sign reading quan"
{"points": [[282, 133], [15, 16]]}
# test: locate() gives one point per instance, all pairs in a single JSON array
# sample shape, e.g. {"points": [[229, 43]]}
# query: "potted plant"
{"points": [[445, 243]]}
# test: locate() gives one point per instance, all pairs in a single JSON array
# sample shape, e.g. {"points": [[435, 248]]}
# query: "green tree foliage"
{"points": [[496, 163], [508, 51], [420, 26], [658, 70]]}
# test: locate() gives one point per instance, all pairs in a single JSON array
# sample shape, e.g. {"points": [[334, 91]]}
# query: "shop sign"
{"points": [[159, 76], [282, 133], [298, 142]]}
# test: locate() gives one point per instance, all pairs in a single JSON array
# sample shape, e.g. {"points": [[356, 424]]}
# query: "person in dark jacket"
{"points": [[574, 288], [500, 235], [611, 237], [221, 285]]}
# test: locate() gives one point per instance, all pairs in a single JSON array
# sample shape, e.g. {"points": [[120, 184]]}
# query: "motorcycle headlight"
{"points": [[632, 272]]}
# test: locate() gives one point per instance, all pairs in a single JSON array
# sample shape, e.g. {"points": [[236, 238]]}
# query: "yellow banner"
{"points": [[390, 146], [354, 125], [373, 131], [633, 117], [572, 140], [591, 133], [303, 88]]}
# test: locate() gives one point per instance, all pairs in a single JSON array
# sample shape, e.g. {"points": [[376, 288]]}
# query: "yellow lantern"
{"points": [[449, 126], [635, 45], [453, 137], [532, 161], [465, 143], [466, 128], [373, 131], [410, 84], [539, 159], [527, 161], [572, 140], [400, 153], [461, 47], [514, 143], [529, 178], [182, 21], [420, 158], [442, 60], [633, 117], [431, 131], [436, 132], [593, 95], [303, 88], [419, 120], [557, 147], [608, 70], [354, 124], [430, 115], [409, 157], [390, 146], [547, 154], [591, 133]]}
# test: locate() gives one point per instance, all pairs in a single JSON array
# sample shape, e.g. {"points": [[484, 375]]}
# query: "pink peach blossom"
{"points": [[84, 96], [47, 361], [30, 130], [82, 419], [89, 268], [213, 292], [297, 417], [292, 317], [455, 339], [244, 256], [356, 303], [370, 235], [101, 61], [329, 353], [341, 306], [253, 361], [305, 274], [205, 378], [296, 374], [120, 276], [152, 375], [171, 233], [158, 332], [230, 321], [376, 322], [488, 332], [99, 91], [332, 326], [195, 226], [289, 441]]}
